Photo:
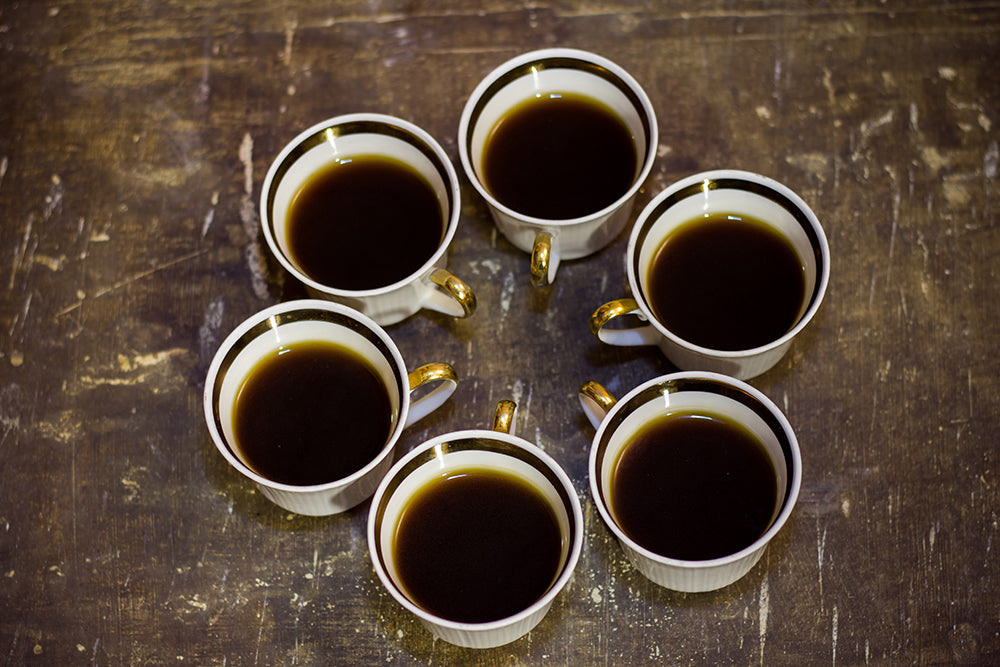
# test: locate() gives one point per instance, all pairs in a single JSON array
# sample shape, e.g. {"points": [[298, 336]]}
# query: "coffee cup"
{"points": [[476, 532], [308, 399], [361, 209], [694, 473], [558, 143], [725, 268]]}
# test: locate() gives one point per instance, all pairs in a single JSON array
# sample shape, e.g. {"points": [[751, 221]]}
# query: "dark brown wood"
{"points": [[134, 138]]}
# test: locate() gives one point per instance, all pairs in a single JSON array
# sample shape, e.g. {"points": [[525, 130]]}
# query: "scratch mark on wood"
{"points": [[764, 609], [209, 329], [868, 129], [828, 85], [22, 250], [820, 551], [895, 212], [3, 169], [260, 631], [835, 623], [124, 282], [248, 216], [968, 373], [53, 199], [506, 294], [11, 398], [210, 216], [286, 55], [990, 159], [871, 288]]}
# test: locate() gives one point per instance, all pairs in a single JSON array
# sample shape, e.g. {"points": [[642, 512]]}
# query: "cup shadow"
{"points": [[249, 502]]}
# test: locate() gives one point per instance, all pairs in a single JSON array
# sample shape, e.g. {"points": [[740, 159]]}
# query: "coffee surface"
{"points": [[726, 282], [693, 487], [310, 413], [364, 223], [558, 157], [477, 546]]}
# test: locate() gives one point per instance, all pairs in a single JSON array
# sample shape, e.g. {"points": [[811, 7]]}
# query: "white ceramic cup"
{"points": [[431, 286], [552, 72], [697, 196], [262, 335], [496, 449], [617, 421]]}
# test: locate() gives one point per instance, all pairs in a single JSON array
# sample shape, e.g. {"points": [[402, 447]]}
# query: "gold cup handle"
{"points": [[641, 335], [544, 261], [447, 382], [456, 288], [503, 419], [596, 402]]}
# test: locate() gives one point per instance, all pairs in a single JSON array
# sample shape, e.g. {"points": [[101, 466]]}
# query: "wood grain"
{"points": [[134, 138]]}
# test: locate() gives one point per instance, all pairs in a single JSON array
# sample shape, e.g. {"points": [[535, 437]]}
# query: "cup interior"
{"points": [[686, 396], [556, 75], [698, 202], [338, 142], [475, 450], [271, 334]]}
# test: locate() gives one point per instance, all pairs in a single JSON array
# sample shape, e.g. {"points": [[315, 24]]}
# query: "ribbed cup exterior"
{"points": [[653, 398]]}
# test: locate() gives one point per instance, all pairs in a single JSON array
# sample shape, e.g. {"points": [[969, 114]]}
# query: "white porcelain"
{"points": [[477, 448], [617, 421], [431, 286], [536, 73], [265, 332], [725, 190]]}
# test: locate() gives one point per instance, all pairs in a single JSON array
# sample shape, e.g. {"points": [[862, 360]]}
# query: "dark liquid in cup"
{"points": [[694, 487], [726, 282], [558, 157], [477, 546], [364, 223], [312, 412]]}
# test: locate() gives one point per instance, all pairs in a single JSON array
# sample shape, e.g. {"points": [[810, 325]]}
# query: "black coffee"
{"points": [[726, 282], [694, 487], [477, 546], [313, 412], [558, 157], [364, 223]]}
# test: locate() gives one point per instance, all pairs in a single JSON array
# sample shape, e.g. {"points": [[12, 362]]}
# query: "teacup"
{"points": [[308, 399], [725, 268], [694, 473], [561, 116], [361, 209], [476, 532]]}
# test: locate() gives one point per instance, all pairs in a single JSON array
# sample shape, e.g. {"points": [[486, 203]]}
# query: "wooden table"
{"points": [[134, 138]]}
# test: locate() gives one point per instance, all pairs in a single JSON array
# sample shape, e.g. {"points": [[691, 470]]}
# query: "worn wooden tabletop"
{"points": [[134, 138]]}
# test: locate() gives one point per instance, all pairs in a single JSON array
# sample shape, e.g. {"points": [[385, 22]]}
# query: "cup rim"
{"points": [[821, 251], [212, 377], [575, 512], [406, 126], [649, 157], [791, 494]]}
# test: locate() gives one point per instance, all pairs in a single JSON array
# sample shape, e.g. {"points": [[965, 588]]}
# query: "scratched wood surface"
{"points": [[134, 137]]}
